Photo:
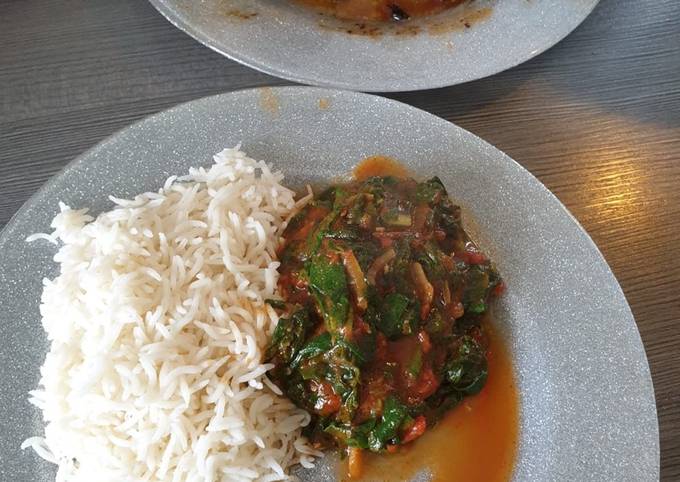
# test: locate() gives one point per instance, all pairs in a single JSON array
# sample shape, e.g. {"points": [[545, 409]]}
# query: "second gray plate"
{"points": [[587, 402], [278, 37]]}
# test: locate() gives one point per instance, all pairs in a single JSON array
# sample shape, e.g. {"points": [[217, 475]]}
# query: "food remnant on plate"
{"points": [[324, 103], [467, 19], [268, 101], [241, 15], [384, 295], [380, 10]]}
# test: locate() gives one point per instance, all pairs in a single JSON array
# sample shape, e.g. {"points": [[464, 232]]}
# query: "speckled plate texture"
{"points": [[586, 396], [477, 39]]}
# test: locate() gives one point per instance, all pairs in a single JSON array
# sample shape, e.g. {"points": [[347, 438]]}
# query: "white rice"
{"points": [[157, 324]]}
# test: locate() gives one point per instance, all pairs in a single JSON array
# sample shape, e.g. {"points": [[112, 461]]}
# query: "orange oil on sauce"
{"points": [[474, 442], [379, 166]]}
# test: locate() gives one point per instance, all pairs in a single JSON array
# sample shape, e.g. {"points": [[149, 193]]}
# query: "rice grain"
{"points": [[157, 324]]}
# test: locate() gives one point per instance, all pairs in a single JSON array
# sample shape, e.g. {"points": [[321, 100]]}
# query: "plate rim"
{"points": [[315, 81], [6, 231]]}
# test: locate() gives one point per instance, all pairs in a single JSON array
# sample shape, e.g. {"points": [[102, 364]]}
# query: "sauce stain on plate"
{"points": [[363, 29], [467, 18], [241, 15], [268, 101], [233, 12]]}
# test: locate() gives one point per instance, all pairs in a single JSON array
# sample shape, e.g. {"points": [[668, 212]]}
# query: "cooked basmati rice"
{"points": [[157, 324]]}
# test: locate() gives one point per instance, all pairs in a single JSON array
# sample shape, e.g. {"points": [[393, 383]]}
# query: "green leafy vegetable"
{"points": [[361, 433], [397, 219], [295, 387], [416, 363], [316, 346], [394, 413], [398, 275], [331, 196], [467, 370], [332, 199], [435, 323], [328, 283], [397, 316], [430, 191], [353, 349], [361, 211], [356, 436], [366, 345], [344, 376], [340, 432], [476, 288], [430, 258], [298, 220], [447, 217], [347, 233], [288, 337], [441, 402]]}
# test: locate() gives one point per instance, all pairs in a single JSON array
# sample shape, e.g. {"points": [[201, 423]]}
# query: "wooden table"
{"points": [[596, 118]]}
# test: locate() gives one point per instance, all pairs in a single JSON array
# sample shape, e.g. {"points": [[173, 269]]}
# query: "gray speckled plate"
{"points": [[587, 402], [283, 39]]}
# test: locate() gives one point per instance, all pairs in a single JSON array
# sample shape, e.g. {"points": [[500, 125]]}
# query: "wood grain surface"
{"points": [[596, 118]]}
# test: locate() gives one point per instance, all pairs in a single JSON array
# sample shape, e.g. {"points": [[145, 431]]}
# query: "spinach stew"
{"points": [[383, 296]]}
